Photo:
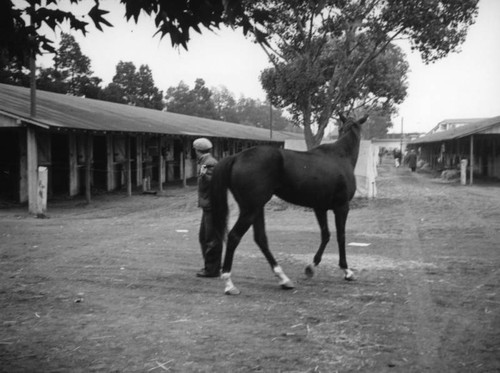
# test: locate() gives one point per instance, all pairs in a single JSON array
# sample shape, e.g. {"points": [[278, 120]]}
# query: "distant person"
{"points": [[411, 158], [211, 246], [397, 158], [381, 155]]}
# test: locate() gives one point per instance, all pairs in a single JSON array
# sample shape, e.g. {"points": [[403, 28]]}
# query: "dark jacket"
{"points": [[411, 158], [206, 165]]}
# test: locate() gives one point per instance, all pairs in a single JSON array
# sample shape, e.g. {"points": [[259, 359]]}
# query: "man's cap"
{"points": [[202, 144]]}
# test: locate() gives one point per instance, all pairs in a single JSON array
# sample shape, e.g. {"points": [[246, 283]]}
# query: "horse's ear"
{"points": [[363, 120], [342, 118]]}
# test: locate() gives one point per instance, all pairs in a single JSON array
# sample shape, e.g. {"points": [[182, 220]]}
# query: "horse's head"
{"points": [[347, 124]]}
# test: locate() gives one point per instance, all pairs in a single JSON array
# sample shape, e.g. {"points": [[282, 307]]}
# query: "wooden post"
{"points": [[88, 167], [471, 159], [183, 168], [110, 168], [73, 165], [138, 159], [160, 166], [463, 171], [23, 167], [41, 202], [127, 165], [183, 162], [32, 158]]}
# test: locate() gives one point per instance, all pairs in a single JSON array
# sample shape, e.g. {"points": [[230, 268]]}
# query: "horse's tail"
{"points": [[218, 196]]}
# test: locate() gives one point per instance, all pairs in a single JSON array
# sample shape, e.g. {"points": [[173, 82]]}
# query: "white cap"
{"points": [[202, 144]]}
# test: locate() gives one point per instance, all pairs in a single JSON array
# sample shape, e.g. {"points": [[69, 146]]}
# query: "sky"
{"points": [[462, 85]]}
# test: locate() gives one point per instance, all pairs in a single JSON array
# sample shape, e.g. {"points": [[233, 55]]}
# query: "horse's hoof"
{"points": [[309, 271], [232, 291], [350, 277], [287, 285]]}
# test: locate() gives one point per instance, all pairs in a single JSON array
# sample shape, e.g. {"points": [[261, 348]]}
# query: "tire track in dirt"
{"points": [[458, 325], [419, 293], [463, 219]]}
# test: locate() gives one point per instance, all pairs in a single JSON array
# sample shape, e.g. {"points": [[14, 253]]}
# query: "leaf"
{"points": [[96, 15]]}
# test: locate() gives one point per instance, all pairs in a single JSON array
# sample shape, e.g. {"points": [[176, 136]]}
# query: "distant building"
{"points": [[90, 145], [475, 140], [394, 141], [449, 124]]}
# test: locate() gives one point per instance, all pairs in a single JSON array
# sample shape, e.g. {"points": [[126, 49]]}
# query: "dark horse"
{"points": [[321, 178]]}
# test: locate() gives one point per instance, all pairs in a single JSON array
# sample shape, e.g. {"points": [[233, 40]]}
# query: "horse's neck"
{"points": [[348, 145]]}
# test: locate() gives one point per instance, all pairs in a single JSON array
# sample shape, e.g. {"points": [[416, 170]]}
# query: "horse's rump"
{"points": [[218, 194]]}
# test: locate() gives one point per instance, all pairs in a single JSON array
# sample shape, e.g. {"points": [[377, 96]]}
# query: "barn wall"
{"points": [[9, 163], [64, 153]]}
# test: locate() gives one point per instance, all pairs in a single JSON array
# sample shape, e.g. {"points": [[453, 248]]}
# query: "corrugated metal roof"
{"points": [[65, 111], [461, 120], [476, 127]]}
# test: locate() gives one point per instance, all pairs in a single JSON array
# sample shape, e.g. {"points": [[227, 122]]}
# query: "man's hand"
{"points": [[203, 170]]}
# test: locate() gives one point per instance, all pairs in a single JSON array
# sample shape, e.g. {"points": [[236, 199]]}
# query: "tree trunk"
{"points": [[308, 135]]}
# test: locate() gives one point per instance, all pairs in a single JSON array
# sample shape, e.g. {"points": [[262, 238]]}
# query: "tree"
{"points": [[377, 124], [334, 56], [148, 95], [71, 72], [50, 79], [134, 87], [256, 113], [178, 99], [225, 104], [197, 101], [14, 74], [126, 81], [219, 103], [114, 93], [72, 65], [19, 39]]}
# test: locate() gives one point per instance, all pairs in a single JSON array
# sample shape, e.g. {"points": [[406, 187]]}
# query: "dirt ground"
{"points": [[111, 287]]}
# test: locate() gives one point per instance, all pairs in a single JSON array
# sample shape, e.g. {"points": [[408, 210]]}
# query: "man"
{"points": [[211, 247], [412, 160]]}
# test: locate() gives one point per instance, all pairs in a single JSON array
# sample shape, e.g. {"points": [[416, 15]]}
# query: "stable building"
{"points": [[476, 141], [89, 145]]}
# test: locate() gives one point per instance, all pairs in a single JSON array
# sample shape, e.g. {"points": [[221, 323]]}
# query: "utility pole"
{"points": [[402, 135], [31, 145], [32, 71], [270, 119]]}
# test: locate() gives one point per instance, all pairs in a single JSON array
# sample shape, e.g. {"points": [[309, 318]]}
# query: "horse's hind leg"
{"points": [[340, 222], [325, 238], [233, 239], [260, 237]]}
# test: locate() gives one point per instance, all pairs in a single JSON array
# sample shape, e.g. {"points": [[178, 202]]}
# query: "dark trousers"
{"points": [[211, 247]]}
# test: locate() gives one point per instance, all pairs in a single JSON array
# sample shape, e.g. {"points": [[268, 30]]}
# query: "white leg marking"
{"points": [[349, 275], [284, 282], [230, 289]]}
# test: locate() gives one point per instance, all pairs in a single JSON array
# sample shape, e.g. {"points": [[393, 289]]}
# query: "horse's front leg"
{"points": [[325, 238], [340, 222]]}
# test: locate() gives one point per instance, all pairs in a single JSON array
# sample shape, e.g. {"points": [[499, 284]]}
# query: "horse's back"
{"points": [[255, 175], [316, 179]]}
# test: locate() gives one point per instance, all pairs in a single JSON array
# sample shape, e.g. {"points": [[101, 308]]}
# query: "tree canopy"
{"points": [[328, 56], [220, 103], [20, 24], [338, 56], [133, 86], [197, 101]]}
